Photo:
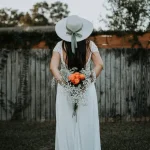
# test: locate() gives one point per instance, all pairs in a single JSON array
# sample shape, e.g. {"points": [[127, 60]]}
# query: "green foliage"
{"points": [[10, 17], [58, 11], [131, 15], [118, 32], [41, 14], [27, 40]]}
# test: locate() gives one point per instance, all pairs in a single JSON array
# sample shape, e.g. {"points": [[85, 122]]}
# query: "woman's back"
{"points": [[90, 48], [88, 52]]}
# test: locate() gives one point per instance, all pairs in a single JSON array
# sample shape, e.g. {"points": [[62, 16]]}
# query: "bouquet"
{"points": [[76, 84]]}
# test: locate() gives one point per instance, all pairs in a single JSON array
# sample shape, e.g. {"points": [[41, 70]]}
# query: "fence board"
{"points": [[9, 83], [148, 89], [4, 91], [43, 96], [112, 85], [117, 82], [102, 87], [144, 89], [33, 86], [136, 90], [122, 96], [29, 88], [38, 87], [131, 91], [107, 84], [21, 74], [13, 76], [47, 88], [0, 90], [138, 83], [17, 70]]}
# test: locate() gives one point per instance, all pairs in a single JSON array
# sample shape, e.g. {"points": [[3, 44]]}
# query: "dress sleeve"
{"points": [[93, 47], [57, 47]]}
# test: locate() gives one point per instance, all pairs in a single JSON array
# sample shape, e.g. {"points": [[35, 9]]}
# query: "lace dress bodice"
{"points": [[64, 65], [58, 48]]}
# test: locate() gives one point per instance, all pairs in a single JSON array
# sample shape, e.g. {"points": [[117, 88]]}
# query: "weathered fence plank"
{"points": [[112, 85], [118, 83], [48, 88], [33, 86], [103, 99], [38, 88], [148, 89], [4, 93], [42, 80], [107, 83], [138, 83], [29, 89], [13, 77], [1, 89], [9, 86], [122, 88]]}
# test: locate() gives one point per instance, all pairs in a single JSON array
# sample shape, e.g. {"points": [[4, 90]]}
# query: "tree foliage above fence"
{"points": [[27, 40], [41, 14], [24, 39], [131, 15]]}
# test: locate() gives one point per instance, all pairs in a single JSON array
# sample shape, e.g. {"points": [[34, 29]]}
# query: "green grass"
{"points": [[36, 136]]}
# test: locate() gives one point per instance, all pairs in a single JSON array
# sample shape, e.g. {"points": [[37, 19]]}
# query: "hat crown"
{"points": [[74, 23]]}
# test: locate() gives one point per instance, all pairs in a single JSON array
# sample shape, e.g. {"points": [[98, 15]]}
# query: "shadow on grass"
{"points": [[41, 136]]}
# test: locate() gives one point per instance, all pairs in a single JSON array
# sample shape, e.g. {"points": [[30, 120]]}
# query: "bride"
{"points": [[76, 51]]}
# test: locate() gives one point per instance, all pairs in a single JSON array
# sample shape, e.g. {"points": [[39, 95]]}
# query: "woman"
{"points": [[75, 50]]}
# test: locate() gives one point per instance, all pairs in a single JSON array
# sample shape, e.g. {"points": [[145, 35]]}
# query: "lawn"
{"points": [[41, 136]]}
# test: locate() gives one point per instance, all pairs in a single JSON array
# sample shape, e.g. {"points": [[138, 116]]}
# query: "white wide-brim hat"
{"points": [[74, 22], [73, 29]]}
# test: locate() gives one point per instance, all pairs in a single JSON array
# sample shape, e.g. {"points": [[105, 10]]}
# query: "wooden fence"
{"points": [[123, 89]]}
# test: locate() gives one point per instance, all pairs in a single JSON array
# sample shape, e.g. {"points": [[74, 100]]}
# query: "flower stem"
{"points": [[75, 110]]}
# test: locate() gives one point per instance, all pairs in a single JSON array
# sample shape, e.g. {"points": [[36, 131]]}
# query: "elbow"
{"points": [[52, 68], [100, 65]]}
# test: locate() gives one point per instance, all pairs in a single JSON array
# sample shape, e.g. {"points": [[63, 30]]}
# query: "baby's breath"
{"points": [[77, 93]]}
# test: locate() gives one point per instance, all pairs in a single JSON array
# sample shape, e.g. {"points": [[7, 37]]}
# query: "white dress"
{"points": [[83, 134]]}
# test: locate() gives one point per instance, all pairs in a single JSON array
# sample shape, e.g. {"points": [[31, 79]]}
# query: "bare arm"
{"points": [[54, 64], [98, 63]]}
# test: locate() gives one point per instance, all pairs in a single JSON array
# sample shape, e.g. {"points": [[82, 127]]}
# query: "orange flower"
{"points": [[76, 81], [71, 77], [82, 76], [76, 77]]}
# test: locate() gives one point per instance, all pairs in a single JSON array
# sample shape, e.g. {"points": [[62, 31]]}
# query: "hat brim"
{"points": [[61, 30]]}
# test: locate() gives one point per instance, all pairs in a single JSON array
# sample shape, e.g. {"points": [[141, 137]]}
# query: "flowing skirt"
{"points": [[83, 134]]}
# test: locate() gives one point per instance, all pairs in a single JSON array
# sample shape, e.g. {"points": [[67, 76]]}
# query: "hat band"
{"points": [[73, 37]]}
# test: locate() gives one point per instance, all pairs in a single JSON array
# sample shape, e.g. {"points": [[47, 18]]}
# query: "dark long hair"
{"points": [[79, 58]]}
